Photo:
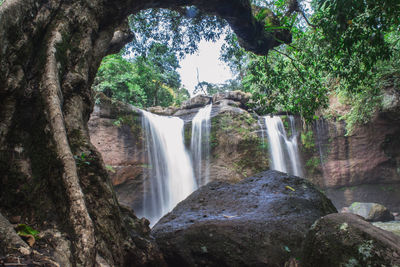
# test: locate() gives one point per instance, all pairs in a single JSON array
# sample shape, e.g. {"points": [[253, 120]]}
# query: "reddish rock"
{"points": [[115, 130], [360, 158], [363, 166]]}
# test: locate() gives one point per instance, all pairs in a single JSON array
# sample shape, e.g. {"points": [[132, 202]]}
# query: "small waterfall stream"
{"points": [[283, 149], [169, 178], [200, 144]]}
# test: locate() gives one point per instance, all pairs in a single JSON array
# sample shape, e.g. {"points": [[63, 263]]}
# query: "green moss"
{"points": [[307, 140], [366, 250], [352, 263], [344, 226], [387, 188], [313, 164]]}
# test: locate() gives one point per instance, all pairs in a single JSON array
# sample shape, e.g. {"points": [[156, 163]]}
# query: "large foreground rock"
{"points": [[347, 240], [260, 221]]}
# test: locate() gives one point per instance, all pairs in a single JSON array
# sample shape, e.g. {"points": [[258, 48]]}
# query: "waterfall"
{"points": [[283, 150], [169, 177], [200, 144]]}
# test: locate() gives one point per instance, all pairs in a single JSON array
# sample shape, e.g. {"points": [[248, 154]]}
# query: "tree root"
{"points": [[82, 225]]}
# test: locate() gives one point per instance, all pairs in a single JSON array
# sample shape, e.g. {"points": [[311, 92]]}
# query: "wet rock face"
{"points": [[260, 221], [237, 150], [115, 130], [367, 156], [347, 240], [362, 166]]}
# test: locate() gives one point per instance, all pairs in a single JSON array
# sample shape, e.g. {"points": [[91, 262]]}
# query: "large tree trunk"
{"points": [[50, 173]]}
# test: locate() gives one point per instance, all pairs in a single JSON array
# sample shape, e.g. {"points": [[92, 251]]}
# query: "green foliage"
{"points": [[279, 83], [313, 163], [110, 168], [349, 47], [307, 140], [211, 89], [180, 29], [146, 80], [82, 159], [25, 230], [116, 77]]}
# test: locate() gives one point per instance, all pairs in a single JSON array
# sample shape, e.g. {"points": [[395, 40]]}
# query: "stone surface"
{"points": [[115, 130], [195, 102], [362, 166], [168, 111], [372, 212], [260, 221], [237, 150], [239, 97], [347, 240], [393, 226]]}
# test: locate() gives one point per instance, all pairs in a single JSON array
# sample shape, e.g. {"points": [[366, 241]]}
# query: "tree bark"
{"points": [[50, 173]]}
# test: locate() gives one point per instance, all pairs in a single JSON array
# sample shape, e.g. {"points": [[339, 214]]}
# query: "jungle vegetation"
{"points": [[346, 48]]}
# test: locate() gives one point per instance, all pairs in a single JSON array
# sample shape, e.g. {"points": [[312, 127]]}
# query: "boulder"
{"points": [[346, 239], [164, 111], [240, 97], [195, 102], [260, 221], [372, 212]]}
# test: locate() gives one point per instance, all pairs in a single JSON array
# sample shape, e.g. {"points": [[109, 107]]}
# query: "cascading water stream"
{"points": [[283, 150], [169, 178], [293, 149], [200, 144]]}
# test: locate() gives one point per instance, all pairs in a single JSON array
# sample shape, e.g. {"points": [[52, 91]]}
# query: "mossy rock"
{"points": [[347, 240]]}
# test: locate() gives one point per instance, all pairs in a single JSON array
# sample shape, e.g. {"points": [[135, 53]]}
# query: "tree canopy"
{"points": [[150, 79], [342, 47], [350, 48]]}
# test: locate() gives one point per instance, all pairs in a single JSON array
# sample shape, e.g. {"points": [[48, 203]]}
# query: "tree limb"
{"points": [[82, 225]]}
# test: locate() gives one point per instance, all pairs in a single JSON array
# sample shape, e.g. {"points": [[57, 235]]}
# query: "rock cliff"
{"points": [[361, 166]]}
